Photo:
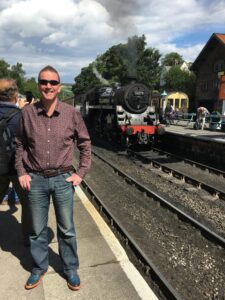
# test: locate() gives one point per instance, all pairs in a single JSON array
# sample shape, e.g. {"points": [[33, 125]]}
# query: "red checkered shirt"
{"points": [[44, 142]]}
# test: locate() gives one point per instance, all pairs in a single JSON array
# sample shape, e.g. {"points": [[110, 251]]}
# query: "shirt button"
{"points": [[49, 129], [48, 152], [48, 164], [48, 141]]}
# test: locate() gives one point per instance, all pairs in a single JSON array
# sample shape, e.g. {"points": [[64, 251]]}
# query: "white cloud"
{"points": [[69, 34]]}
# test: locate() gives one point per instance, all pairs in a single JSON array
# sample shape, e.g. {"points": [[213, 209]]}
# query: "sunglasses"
{"points": [[45, 82]]}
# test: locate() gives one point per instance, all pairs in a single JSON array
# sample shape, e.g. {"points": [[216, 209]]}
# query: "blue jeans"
{"points": [[62, 193]]}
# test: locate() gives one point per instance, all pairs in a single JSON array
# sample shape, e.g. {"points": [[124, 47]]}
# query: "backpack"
{"points": [[7, 145]]}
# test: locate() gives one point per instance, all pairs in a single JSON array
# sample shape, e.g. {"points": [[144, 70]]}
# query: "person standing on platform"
{"points": [[10, 113], [44, 156], [202, 112]]}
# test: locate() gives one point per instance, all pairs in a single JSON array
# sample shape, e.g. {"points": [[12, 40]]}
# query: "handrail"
{"points": [[188, 117]]}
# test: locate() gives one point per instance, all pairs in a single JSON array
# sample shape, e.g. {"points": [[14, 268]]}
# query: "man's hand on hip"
{"points": [[75, 179], [25, 182]]}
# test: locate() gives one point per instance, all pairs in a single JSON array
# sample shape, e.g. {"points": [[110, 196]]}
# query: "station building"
{"points": [[209, 68]]}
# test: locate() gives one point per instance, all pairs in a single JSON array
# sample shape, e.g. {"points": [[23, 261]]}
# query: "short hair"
{"points": [[48, 68], [8, 89]]}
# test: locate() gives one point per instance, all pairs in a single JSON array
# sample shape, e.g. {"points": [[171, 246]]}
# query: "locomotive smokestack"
{"points": [[131, 79]]}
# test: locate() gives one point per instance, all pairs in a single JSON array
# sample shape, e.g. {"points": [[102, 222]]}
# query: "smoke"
{"points": [[99, 76], [122, 19], [122, 15]]}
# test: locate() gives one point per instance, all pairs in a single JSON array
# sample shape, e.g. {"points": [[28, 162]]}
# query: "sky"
{"points": [[70, 34]]}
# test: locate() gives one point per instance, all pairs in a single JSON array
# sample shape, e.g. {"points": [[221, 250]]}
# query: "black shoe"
{"points": [[33, 281], [73, 282]]}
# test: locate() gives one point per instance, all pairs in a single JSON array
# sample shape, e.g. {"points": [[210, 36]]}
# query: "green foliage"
{"points": [[66, 92], [85, 80], [15, 71], [120, 62], [110, 65], [31, 85], [4, 69], [178, 80], [148, 70], [172, 59]]}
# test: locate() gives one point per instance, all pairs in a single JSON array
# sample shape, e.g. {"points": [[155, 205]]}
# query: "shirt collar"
{"points": [[41, 109]]}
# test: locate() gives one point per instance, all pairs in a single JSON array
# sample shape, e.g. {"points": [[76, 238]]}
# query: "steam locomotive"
{"points": [[125, 113]]}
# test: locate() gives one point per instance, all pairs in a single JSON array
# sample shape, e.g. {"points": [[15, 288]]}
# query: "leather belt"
{"points": [[54, 172]]}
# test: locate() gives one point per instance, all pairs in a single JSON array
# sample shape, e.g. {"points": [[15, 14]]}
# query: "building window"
{"points": [[204, 86], [177, 103], [218, 66], [170, 101], [215, 84], [184, 103]]}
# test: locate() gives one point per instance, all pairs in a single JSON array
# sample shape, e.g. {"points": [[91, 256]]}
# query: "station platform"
{"points": [[105, 270], [189, 131]]}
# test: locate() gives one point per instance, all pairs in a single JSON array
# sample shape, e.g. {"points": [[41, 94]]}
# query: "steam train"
{"points": [[125, 113]]}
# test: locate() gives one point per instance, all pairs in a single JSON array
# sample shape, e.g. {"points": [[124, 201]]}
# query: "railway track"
{"points": [[212, 235], [212, 238], [147, 265], [199, 165], [217, 189]]}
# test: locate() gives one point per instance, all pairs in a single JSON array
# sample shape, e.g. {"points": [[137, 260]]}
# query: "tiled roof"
{"points": [[221, 37], [212, 42]]}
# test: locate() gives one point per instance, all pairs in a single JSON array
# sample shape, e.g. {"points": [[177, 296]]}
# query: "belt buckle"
{"points": [[49, 173]]}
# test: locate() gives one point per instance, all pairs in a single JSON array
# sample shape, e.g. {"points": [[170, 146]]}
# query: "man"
{"points": [[202, 113], [44, 156], [8, 101]]}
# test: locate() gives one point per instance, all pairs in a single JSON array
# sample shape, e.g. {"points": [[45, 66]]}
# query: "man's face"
{"points": [[49, 85]]}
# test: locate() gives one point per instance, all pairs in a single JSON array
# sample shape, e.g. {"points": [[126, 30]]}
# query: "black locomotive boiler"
{"points": [[124, 113]]}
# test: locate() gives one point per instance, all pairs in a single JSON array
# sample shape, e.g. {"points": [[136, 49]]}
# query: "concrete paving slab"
{"points": [[91, 251], [217, 136], [15, 260], [105, 270], [100, 282]]}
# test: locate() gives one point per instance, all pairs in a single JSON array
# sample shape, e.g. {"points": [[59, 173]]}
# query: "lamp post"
{"points": [[163, 97]]}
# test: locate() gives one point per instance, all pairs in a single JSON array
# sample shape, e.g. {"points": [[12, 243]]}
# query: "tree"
{"points": [[148, 70], [85, 80], [31, 85], [172, 59], [66, 92], [111, 66], [118, 63], [17, 73], [4, 69], [178, 80]]}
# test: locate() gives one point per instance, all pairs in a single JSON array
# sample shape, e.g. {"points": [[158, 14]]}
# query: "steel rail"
{"points": [[192, 162], [208, 233], [150, 268], [200, 184]]}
